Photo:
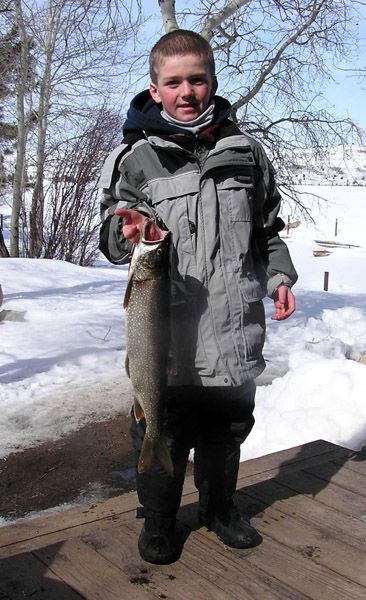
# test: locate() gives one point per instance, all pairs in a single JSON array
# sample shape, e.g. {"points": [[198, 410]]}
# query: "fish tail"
{"points": [[155, 450]]}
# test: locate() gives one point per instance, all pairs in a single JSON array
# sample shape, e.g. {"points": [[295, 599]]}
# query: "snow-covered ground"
{"points": [[338, 165], [62, 363]]}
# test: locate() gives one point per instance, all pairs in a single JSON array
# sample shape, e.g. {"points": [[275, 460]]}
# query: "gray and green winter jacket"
{"points": [[215, 192]]}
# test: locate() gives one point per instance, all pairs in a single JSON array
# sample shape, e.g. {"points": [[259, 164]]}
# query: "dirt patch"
{"points": [[91, 464]]}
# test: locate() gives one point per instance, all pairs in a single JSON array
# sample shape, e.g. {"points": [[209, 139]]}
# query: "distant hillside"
{"points": [[331, 166]]}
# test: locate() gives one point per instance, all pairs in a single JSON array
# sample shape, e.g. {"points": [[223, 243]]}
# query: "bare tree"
{"points": [[81, 47], [82, 41], [72, 199]]}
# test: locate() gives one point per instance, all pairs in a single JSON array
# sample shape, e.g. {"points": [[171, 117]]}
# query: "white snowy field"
{"points": [[63, 364]]}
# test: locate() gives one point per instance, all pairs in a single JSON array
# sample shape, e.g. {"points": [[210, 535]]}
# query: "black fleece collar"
{"points": [[144, 115]]}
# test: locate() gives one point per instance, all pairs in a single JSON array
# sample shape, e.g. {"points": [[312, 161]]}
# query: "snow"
{"points": [[338, 165], [62, 361]]}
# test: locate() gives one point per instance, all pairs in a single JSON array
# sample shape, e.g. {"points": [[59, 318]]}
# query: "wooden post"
{"points": [[326, 281], [336, 227]]}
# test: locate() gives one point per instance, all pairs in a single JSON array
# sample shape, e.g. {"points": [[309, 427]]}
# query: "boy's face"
{"points": [[184, 86]]}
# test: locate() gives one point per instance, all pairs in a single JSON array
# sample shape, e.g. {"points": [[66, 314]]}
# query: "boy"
{"points": [[184, 163]]}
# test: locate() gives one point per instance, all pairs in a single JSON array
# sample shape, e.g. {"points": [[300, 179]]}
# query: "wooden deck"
{"points": [[308, 503]]}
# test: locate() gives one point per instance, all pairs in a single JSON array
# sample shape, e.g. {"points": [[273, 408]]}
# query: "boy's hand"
{"points": [[132, 223], [284, 302], [132, 226]]}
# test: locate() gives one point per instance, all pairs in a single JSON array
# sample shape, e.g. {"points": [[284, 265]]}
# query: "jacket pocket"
{"points": [[175, 200], [236, 209]]}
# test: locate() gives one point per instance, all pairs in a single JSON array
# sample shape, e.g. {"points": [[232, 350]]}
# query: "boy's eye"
{"points": [[193, 81]]}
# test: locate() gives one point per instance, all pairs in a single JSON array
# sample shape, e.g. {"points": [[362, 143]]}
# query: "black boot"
{"points": [[157, 542], [159, 495], [231, 528], [216, 465]]}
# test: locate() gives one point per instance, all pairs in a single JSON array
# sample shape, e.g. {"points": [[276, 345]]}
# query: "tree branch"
{"points": [[167, 8], [214, 21], [265, 71]]}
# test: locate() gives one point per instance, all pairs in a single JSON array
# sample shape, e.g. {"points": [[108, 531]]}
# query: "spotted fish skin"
{"points": [[147, 322]]}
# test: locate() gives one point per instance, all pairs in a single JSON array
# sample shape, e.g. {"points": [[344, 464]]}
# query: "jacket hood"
{"points": [[144, 115]]}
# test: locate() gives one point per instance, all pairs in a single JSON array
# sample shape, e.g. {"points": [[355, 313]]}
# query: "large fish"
{"points": [[147, 304]]}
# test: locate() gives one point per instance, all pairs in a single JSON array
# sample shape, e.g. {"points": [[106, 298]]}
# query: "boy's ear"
{"points": [[154, 92], [214, 86]]}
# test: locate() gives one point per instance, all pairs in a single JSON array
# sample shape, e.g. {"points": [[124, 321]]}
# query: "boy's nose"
{"points": [[186, 89]]}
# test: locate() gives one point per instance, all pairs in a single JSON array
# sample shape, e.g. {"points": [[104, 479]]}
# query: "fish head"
{"points": [[150, 258]]}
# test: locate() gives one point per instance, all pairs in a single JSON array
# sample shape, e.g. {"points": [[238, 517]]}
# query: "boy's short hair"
{"points": [[180, 42]]}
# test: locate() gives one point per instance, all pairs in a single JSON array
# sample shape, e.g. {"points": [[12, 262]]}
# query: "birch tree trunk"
{"points": [[19, 177], [37, 210], [167, 8]]}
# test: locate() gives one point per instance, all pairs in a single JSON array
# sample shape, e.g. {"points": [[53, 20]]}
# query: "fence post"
{"points": [[326, 281]]}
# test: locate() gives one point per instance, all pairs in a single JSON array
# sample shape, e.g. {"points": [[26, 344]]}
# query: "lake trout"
{"points": [[147, 320]]}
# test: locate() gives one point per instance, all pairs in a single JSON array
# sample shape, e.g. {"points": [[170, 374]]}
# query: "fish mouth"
{"points": [[151, 238], [151, 233]]}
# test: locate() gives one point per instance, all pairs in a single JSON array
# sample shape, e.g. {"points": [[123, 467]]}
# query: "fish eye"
{"points": [[159, 251]]}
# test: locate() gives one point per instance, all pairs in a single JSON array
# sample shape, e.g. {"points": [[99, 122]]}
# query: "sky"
{"points": [[348, 91], [62, 351]]}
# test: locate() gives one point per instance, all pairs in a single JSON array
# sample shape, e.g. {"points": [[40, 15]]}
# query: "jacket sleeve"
{"points": [[117, 193], [271, 256]]}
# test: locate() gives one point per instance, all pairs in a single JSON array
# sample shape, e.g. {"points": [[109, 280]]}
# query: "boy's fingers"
{"points": [[130, 215], [131, 232], [132, 223], [123, 212], [285, 303]]}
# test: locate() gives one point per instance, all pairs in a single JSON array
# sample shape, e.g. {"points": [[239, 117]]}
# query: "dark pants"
{"points": [[213, 421]]}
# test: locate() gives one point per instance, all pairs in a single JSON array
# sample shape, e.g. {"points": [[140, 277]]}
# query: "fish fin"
{"points": [[138, 411], [127, 365], [155, 450], [128, 291]]}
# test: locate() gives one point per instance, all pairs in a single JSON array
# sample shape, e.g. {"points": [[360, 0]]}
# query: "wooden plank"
{"points": [[59, 521], [357, 463], [60, 535], [230, 569], [87, 572], [343, 500], [220, 573], [288, 467], [340, 475], [330, 521], [318, 582], [294, 570], [162, 581], [291, 457], [25, 576], [308, 540]]}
